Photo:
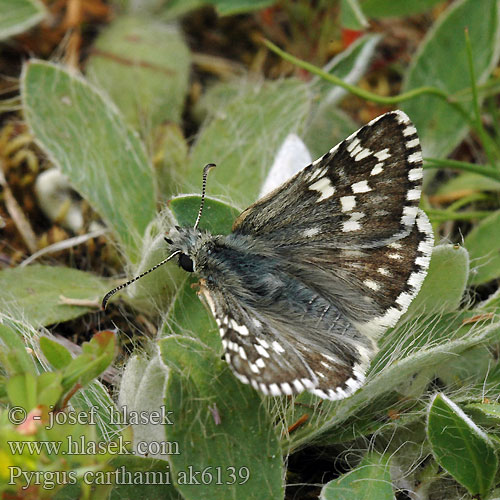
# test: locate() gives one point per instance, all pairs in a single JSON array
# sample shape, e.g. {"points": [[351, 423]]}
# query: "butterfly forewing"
{"points": [[363, 193]]}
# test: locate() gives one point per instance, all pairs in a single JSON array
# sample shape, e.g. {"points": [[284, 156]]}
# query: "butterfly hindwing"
{"points": [[284, 358]]}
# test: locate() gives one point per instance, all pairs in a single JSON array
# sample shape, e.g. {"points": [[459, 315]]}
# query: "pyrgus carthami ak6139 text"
{"points": [[317, 269]]}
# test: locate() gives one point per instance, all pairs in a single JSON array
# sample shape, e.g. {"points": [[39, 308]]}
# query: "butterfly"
{"points": [[317, 269]]}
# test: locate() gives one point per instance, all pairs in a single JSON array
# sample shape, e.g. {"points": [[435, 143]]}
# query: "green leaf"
{"points": [[17, 16], [21, 390], [351, 15], [472, 366], [371, 480], [143, 64], [405, 365], [232, 7], [328, 127], [87, 139], [444, 285], [156, 479], [34, 293], [189, 317], [244, 136], [467, 183], [489, 409], [221, 426], [57, 355], [14, 357], [440, 126], [27, 390], [49, 388], [217, 218], [483, 244], [460, 447], [97, 355], [390, 8]]}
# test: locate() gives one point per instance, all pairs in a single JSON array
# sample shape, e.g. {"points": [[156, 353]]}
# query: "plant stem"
{"points": [[364, 94]]}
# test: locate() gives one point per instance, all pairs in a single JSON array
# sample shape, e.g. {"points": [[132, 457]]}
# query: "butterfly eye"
{"points": [[186, 263]]}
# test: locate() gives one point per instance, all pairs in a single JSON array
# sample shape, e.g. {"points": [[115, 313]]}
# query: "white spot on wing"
{"points": [[277, 347], [261, 351], [415, 157], [412, 143], [382, 155], [324, 187], [415, 174], [312, 231], [372, 284], [409, 130], [355, 143], [348, 203], [260, 363], [298, 386], [274, 390], [383, 271], [351, 225], [361, 187], [413, 194], [377, 169], [362, 154]]}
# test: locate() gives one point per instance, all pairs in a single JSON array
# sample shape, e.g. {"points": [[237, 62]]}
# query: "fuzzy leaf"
{"points": [[328, 127], [143, 64], [143, 389], [489, 409], [390, 8], [232, 7], [217, 218], [189, 317], [14, 357], [244, 136], [85, 136], [460, 447], [440, 127], [17, 16], [351, 15], [483, 244], [34, 293], [467, 183], [220, 425], [159, 488], [95, 397], [444, 285], [411, 348], [370, 480]]}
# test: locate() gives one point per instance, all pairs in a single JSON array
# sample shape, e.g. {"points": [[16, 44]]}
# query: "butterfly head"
{"points": [[191, 245], [188, 245]]}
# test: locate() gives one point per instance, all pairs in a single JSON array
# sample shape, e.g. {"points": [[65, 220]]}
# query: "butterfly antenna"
{"points": [[206, 169], [133, 280]]}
